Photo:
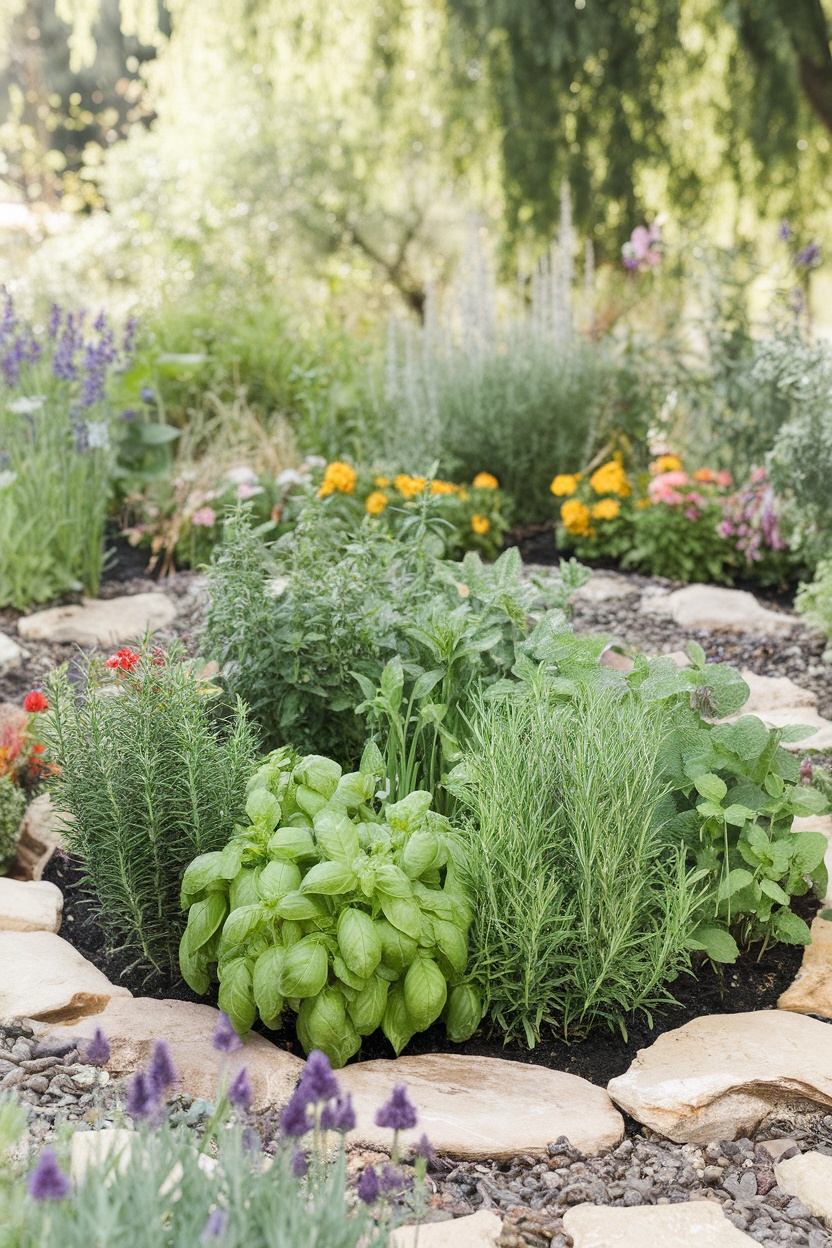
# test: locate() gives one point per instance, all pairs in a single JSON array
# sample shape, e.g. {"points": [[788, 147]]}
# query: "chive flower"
{"points": [[97, 1052], [226, 1039], [48, 1181], [239, 1094], [398, 1113]]}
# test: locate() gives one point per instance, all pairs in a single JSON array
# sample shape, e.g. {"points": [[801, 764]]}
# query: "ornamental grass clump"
{"points": [[152, 766], [353, 919]]}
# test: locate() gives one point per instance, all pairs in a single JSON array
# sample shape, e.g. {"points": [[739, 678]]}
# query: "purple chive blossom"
{"points": [[300, 1163], [161, 1072], [239, 1094], [424, 1149], [226, 1039], [340, 1116], [215, 1227], [98, 1050], [368, 1188], [295, 1120], [317, 1081], [129, 335], [397, 1113], [142, 1097], [48, 1181], [128, 414], [809, 256], [784, 231], [54, 321], [148, 395], [393, 1180]]}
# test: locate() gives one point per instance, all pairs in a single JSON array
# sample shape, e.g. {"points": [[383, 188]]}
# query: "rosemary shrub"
{"points": [[152, 769]]}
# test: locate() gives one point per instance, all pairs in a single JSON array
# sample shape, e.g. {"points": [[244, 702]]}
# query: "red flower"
{"points": [[125, 659], [34, 702], [38, 749]]}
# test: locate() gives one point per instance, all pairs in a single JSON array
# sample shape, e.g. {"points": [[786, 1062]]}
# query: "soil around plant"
{"points": [[755, 982]]}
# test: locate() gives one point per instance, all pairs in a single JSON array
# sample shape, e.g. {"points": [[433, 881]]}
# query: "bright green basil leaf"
{"points": [[345, 975], [298, 907], [329, 879], [392, 880], [420, 853], [204, 917], [309, 801], [327, 1027], [408, 814], [263, 809], [368, 1008], [397, 1024], [463, 1013], [231, 859], [241, 923], [359, 941], [305, 969], [193, 964], [354, 790], [291, 932], [319, 774], [452, 944], [265, 984], [397, 949], [403, 913], [425, 991], [277, 879], [292, 843], [243, 890], [372, 761], [336, 836], [199, 875], [236, 995]]}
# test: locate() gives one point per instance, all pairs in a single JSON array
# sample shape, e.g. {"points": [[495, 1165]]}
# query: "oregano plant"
{"points": [[323, 906]]}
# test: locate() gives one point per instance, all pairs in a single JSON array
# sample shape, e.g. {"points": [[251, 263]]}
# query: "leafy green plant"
{"points": [[12, 806], [669, 542], [303, 629], [152, 769], [814, 598], [734, 789], [583, 904], [351, 919]]}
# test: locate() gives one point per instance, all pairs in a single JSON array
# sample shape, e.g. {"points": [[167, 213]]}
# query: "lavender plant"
{"points": [[56, 457]]}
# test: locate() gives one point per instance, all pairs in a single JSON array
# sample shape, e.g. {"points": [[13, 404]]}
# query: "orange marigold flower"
{"points": [[610, 478], [376, 502], [485, 481], [480, 525], [606, 509], [382, 482], [409, 486], [666, 463], [443, 487], [705, 476], [575, 517], [338, 478], [565, 483]]}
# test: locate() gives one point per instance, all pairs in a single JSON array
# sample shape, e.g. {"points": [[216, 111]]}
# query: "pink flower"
{"points": [[724, 479], [206, 518], [246, 490], [758, 475], [693, 497], [691, 513], [663, 488]]}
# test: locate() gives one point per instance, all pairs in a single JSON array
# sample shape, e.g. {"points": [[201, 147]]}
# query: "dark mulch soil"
{"points": [[751, 984]]}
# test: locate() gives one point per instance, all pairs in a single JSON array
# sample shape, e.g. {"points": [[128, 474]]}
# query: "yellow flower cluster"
{"points": [[443, 487], [480, 525], [606, 509], [382, 482], [666, 463], [610, 478], [564, 484], [376, 502], [575, 516], [338, 477], [485, 481], [409, 486]]}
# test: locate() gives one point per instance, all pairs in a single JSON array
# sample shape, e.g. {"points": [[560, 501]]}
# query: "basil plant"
{"points": [[353, 918]]}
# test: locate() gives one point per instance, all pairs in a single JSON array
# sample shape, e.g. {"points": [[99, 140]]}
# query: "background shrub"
{"points": [[152, 767], [12, 806]]}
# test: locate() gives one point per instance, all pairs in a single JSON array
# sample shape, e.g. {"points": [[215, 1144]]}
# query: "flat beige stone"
{"points": [[819, 823], [774, 693], [133, 1025], [473, 1107], [41, 833], [695, 1222], [477, 1230], [611, 657], [29, 907], [809, 1178], [100, 621], [112, 1146], [11, 654], [600, 588], [811, 992], [43, 977], [714, 609], [717, 1077]]}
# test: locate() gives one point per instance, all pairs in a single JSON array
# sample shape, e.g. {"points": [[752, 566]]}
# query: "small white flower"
{"points": [[98, 435], [241, 476], [290, 476], [277, 586], [24, 406], [7, 479], [315, 461]]}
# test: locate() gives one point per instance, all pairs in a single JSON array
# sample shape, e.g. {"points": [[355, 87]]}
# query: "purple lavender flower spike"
{"points": [[295, 1120], [142, 1097], [161, 1071], [340, 1116], [424, 1148], [809, 257], [239, 1094], [393, 1180], [398, 1113], [317, 1081], [300, 1163], [98, 1050], [226, 1039], [48, 1181], [215, 1227], [368, 1188], [129, 335], [148, 395]]}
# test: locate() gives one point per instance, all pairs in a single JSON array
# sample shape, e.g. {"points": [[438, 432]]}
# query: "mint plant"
{"points": [[350, 918]]}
